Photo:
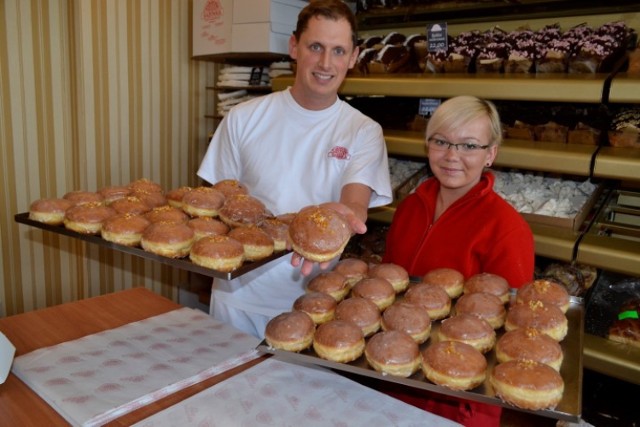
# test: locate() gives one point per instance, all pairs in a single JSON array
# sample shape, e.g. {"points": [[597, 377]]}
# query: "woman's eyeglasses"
{"points": [[437, 144]]}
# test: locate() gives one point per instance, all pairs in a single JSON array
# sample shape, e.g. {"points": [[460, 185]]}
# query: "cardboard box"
{"points": [[280, 11], [212, 21], [261, 37]]}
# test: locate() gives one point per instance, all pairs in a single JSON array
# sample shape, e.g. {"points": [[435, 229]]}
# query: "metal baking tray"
{"points": [[181, 263], [569, 408]]}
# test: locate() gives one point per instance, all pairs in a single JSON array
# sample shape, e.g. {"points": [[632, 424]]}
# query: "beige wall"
{"points": [[92, 93]]}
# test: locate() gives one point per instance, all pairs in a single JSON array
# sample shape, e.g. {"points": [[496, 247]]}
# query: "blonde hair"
{"points": [[459, 110]]}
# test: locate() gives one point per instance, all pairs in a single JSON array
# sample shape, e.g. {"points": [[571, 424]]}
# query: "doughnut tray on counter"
{"points": [[569, 408], [181, 263]]}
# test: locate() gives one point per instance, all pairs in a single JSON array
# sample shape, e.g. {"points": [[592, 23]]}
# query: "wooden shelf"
{"points": [[625, 89]]}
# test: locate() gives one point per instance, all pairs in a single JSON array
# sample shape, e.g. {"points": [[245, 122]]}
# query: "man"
{"points": [[299, 147]]}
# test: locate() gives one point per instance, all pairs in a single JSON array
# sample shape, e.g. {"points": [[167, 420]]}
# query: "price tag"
{"points": [[437, 36], [428, 106]]}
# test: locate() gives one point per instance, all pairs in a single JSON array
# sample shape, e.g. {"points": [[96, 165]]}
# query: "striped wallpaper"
{"points": [[92, 93]]}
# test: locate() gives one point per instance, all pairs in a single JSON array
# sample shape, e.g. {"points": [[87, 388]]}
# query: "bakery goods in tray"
{"points": [[377, 290], [256, 242], [546, 291], [393, 273], [202, 201], [490, 283], [319, 306], [547, 318], [527, 384], [529, 344], [361, 311], [331, 283], [169, 239], [354, 269], [49, 211], [409, 318], [87, 218], [626, 328], [433, 299], [219, 252], [242, 209], [394, 353], [124, 229], [468, 329], [484, 305], [339, 341], [319, 233], [454, 365], [452, 281], [291, 331]]}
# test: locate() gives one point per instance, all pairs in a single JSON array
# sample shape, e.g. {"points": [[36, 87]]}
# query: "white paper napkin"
{"points": [[7, 351]]}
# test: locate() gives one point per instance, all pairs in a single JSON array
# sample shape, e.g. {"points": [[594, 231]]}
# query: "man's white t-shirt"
{"points": [[289, 158]]}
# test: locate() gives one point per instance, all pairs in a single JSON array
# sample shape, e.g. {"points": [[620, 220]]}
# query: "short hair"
{"points": [[459, 110], [329, 9]]}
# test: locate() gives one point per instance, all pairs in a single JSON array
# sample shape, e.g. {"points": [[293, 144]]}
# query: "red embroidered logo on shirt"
{"points": [[339, 153]]}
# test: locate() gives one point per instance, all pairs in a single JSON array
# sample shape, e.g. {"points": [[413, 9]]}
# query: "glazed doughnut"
{"points": [[527, 384], [174, 197], [529, 344], [114, 192], [242, 209], [394, 273], [202, 201], [433, 299], [409, 318], [319, 306], [257, 243], [484, 305], [169, 239], [339, 341], [329, 282], [291, 331], [394, 353], [220, 253], [207, 226], [376, 289], [353, 269], [131, 205], [286, 217], [546, 291], [124, 229], [468, 329], [547, 318], [452, 281], [166, 213], [278, 230], [144, 184], [454, 365], [49, 211], [490, 283], [80, 197], [360, 311], [87, 218], [230, 187], [152, 198], [319, 234]]}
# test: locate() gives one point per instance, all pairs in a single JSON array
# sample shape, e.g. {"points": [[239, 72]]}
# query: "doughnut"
{"points": [[291, 331], [454, 365], [490, 283], [87, 218], [169, 239], [409, 318], [484, 305], [547, 318], [144, 184], [286, 217], [394, 273], [331, 283], [242, 209], [546, 291], [130, 205], [394, 353], [319, 306], [230, 187], [362, 312], [174, 197], [80, 197], [338, 341], [207, 226], [49, 211], [114, 192], [257, 243], [166, 213], [376, 289], [448, 279], [527, 384], [278, 230], [124, 229], [353, 269], [220, 253], [202, 201], [529, 344], [152, 198], [468, 329], [433, 299], [319, 234]]}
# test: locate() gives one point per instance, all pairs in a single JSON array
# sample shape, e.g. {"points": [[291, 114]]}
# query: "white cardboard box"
{"points": [[261, 37], [281, 11], [212, 21]]}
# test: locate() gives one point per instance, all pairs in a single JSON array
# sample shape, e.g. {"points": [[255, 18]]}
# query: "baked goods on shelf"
{"points": [[433, 299], [256, 242], [394, 353], [290, 331], [331, 283], [452, 281], [529, 344], [393, 273], [362, 312], [546, 291], [488, 282], [242, 209], [220, 253], [319, 306], [338, 341], [124, 229], [625, 128], [202, 201], [626, 328], [87, 218], [207, 226], [377, 290], [169, 239], [319, 233], [527, 384], [454, 365], [468, 329], [409, 318], [49, 210], [547, 318]]}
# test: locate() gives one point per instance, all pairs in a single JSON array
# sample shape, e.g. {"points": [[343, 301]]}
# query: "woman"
{"points": [[456, 220]]}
